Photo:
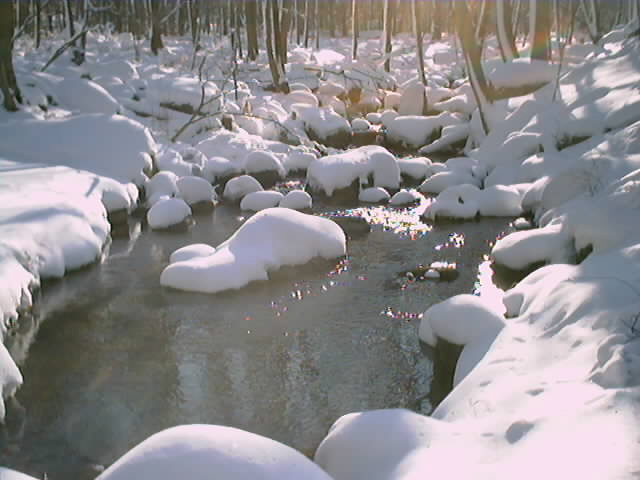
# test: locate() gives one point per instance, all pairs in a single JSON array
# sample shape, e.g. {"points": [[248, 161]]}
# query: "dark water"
{"points": [[110, 357]]}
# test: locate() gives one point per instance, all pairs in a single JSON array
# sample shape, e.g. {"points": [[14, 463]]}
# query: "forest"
{"points": [[319, 239]]}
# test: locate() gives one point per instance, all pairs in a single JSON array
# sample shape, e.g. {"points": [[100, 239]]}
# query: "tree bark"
{"points": [[506, 40], [8, 83], [387, 29], [251, 16], [540, 29], [156, 32], [417, 28], [354, 29]]}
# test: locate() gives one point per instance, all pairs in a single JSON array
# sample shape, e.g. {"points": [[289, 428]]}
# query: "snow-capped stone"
{"points": [[238, 187], [296, 200], [413, 100], [440, 181], [163, 183], [298, 161], [195, 190], [360, 125], [215, 168], [374, 118], [324, 125], [270, 239], [261, 162], [261, 200], [199, 450], [195, 250], [374, 195], [167, 212], [416, 168], [405, 197]]}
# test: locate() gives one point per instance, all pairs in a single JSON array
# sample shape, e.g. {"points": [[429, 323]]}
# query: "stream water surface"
{"points": [[109, 357]]}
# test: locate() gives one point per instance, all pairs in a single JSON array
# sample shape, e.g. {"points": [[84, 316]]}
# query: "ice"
{"points": [[270, 239]]}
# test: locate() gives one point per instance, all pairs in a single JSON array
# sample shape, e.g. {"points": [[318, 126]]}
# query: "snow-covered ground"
{"points": [[548, 383]]}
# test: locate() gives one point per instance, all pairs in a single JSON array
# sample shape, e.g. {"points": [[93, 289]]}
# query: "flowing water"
{"points": [[109, 357]]}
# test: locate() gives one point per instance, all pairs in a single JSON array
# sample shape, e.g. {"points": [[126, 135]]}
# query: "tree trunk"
{"points": [[8, 83], [506, 40], [591, 13], [387, 28], [277, 73], [306, 23], [69, 19], [316, 21], [156, 32], [482, 90], [354, 29], [38, 21], [285, 26], [417, 28], [540, 29], [436, 30], [251, 16]]}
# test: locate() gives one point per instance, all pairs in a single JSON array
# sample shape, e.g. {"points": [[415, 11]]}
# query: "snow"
{"points": [[272, 238], [259, 161], [416, 167], [360, 125], [322, 122], [121, 150], [238, 187], [195, 250], [261, 200], [195, 190], [374, 195], [296, 200], [521, 72], [199, 450], [414, 131], [298, 161], [7, 474], [413, 100], [167, 212], [162, 184], [333, 172], [405, 197], [218, 167], [171, 160]]}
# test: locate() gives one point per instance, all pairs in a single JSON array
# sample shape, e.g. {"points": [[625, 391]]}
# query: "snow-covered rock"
{"points": [[298, 161], [167, 212], [195, 190], [216, 168], [238, 187], [162, 184], [270, 239], [171, 160], [413, 100], [360, 125], [261, 200], [414, 131], [374, 195], [296, 200], [334, 172], [440, 181], [263, 162], [324, 125], [405, 197], [417, 168], [195, 250], [199, 451]]}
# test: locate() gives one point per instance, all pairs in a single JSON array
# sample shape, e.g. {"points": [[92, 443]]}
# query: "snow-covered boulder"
{"points": [[79, 95], [238, 187], [459, 201], [374, 195], [168, 212], [171, 160], [465, 320], [296, 200], [340, 171], [270, 239], [442, 180], [215, 169], [414, 131], [162, 184], [297, 161], [500, 201], [413, 100], [415, 168], [264, 166], [405, 197], [200, 451], [195, 250], [261, 200], [360, 125], [392, 100], [197, 192], [324, 125]]}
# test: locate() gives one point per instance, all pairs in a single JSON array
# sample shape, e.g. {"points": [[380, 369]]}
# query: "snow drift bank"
{"points": [[272, 238]]}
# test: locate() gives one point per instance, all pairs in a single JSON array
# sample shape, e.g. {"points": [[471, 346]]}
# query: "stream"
{"points": [[109, 357]]}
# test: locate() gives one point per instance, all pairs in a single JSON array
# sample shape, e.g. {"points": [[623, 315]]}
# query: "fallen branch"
{"points": [[65, 46]]}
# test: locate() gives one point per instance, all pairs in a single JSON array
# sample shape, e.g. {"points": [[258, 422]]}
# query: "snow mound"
{"points": [[167, 212], [238, 187], [7, 474], [338, 171], [195, 190], [195, 250], [416, 168], [162, 184], [374, 195], [405, 197], [296, 200], [324, 125], [521, 73], [121, 151], [199, 451], [465, 320], [270, 239], [447, 178], [413, 100], [83, 96], [259, 162], [415, 131], [298, 161], [171, 160], [215, 168], [261, 200]]}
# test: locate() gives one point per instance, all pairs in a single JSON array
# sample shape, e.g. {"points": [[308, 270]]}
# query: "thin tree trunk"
{"points": [[38, 21], [306, 23], [69, 19], [506, 40], [540, 29], [387, 29], [417, 28], [316, 21], [354, 29], [285, 26], [156, 34], [251, 16]]}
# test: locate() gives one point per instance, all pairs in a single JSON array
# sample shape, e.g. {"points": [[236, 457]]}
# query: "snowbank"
{"points": [[200, 451], [120, 151], [270, 239], [324, 125]]}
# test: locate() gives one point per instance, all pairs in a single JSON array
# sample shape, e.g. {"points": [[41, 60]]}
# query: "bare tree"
{"points": [[387, 29], [506, 39], [354, 29], [540, 29], [251, 21], [156, 26], [417, 28], [8, 83]]}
